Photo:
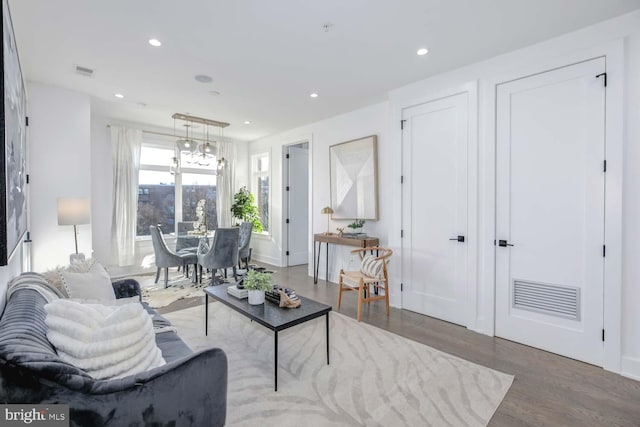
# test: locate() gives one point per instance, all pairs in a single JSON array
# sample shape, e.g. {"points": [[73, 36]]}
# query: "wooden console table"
{"points": [[319, 239]]}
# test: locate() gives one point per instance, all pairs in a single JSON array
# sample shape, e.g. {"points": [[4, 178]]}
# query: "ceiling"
{"points": [[266, 57]]}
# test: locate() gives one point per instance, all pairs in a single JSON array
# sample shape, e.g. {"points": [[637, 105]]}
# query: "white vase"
{"points": [[256, 297]]}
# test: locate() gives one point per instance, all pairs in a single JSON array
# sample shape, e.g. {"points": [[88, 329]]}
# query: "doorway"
{"points": [[296, 189]]}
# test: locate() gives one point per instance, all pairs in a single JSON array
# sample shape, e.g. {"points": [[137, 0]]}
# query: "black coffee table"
{"points": [[269, 315]]}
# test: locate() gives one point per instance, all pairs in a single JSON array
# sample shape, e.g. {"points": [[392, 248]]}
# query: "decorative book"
{"points": [[238, 293]]}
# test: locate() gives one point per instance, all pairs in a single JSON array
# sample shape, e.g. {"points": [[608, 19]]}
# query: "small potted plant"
{"points": [[356, 226], [256, 283]]}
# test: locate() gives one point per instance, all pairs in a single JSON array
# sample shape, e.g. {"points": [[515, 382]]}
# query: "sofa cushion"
{"points": [[105, 341]]}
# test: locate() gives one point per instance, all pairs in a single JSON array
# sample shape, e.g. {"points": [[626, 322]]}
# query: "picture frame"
{"points": [[354, 179], [13, 165]]}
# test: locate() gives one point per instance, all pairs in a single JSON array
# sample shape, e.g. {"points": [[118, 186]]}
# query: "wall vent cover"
{"points": [[554, 300], [84, 71]]}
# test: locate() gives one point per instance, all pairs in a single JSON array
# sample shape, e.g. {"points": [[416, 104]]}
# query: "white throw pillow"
{"points": [[105, 341], [54, 277], [372, 267], [94, 284]]}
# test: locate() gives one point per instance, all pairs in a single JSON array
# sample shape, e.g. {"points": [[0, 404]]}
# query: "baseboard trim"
{"points": [[266, 259], [631, 368]]}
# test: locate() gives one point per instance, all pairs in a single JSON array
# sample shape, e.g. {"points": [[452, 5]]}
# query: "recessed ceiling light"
{"points": [[119, 95], [203, 78], [314, 95], [155, 42], [247, 122], [422, 51]]}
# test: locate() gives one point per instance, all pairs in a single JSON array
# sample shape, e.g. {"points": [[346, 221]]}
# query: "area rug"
{"points": [[375, 378], [179, 287]]}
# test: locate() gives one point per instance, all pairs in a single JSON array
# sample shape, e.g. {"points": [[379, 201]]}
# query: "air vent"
{"points": [[84, 71], [554, 300]]}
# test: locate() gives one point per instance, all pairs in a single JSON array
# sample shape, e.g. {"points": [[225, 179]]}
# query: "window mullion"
{"points": [[178, 200]]}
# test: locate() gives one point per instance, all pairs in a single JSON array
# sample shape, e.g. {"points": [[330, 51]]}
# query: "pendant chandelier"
{"points": [[194, 150]]}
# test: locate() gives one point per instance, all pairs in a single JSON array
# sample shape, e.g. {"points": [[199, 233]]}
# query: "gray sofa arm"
{"points": [[188, 392], [126, 288]]}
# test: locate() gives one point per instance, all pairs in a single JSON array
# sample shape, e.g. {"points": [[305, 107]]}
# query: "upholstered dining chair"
{"points": [[222, 254], [166, 258], [244, 249], [372, 274], [185, 242]]}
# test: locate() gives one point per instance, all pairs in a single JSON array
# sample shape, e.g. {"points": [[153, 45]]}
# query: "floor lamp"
{"points": [[74, 211]]}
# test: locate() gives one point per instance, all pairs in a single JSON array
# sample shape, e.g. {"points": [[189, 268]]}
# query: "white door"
{"points": [[550, 206], [434, 208], [298, 203]]}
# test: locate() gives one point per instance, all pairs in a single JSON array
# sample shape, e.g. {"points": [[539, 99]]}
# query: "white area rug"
{"points": [[376, 378], [179, 288]]}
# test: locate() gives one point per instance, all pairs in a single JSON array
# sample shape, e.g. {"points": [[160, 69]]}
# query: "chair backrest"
{"points": [[183, 240], [381, 259], [223, 251], [246, 229], [164, 256]]}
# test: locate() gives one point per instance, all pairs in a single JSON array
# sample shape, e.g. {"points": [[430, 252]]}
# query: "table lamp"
{"points": [[74, 211], [328, 211]]}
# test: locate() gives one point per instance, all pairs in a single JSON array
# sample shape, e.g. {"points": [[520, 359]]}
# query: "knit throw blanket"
{"points": [[34, 281]]}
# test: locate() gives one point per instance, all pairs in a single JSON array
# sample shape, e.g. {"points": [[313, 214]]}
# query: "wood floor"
{"points": [[548, 390]]}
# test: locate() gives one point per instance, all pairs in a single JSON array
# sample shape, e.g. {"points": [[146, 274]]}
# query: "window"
{"points": [[165, 199], [260, 186]]}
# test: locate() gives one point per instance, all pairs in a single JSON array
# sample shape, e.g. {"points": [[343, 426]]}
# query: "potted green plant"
{"points": [[245, 209], [256, 283], [356, 226]]}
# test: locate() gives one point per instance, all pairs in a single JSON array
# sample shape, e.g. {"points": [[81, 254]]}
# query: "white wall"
{"points": [[371, 120], [16, 265], [59, 166], [384, 118], [102, 188]]}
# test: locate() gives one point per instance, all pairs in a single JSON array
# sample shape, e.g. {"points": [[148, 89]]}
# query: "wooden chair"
{"points": [[363, 283]]}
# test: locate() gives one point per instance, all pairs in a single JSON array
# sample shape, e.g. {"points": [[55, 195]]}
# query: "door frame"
{"points": [[471, 89], [284, 237], [613, 52]]}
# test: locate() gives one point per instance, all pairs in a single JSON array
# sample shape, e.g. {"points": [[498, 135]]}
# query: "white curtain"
{"points": [[126, 145], [224, 184]]}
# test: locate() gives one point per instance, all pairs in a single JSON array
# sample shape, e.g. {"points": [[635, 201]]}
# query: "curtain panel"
{"points": [[126, 144]]}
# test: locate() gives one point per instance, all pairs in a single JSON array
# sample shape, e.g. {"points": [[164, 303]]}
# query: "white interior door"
{"points": [[434, 208], [550, 206], [298, 196]]}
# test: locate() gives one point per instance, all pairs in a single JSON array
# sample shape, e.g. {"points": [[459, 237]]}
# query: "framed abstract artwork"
{"points": [[354, 179], [13, 165]]}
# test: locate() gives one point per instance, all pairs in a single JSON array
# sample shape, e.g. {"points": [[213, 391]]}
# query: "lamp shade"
{"points": [[327, 210], [73, 211]]}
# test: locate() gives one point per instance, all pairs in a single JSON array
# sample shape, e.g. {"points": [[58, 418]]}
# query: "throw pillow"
{"points": [[105, 341], [372, 267], [94, 284], [55, 279]]}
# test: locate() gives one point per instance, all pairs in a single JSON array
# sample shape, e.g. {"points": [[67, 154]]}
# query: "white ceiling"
{"points": [[266, 57]]}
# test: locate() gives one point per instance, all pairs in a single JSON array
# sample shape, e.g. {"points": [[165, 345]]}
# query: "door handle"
{"points": [[458, 239], [504, 243]]}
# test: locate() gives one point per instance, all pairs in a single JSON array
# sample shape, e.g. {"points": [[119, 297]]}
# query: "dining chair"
{"points": [[372, 273], [244, 249], [222, 254], [166, 258]]}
